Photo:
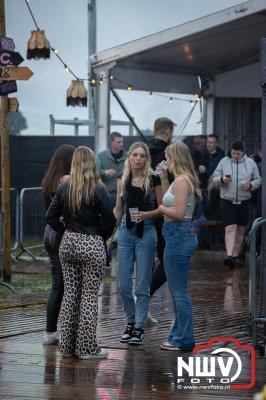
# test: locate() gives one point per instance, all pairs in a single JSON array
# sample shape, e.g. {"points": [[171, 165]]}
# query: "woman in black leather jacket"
{"points": [[84, 205]]}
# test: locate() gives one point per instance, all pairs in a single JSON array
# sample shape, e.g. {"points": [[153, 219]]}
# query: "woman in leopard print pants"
{"points": [[83, 202]]}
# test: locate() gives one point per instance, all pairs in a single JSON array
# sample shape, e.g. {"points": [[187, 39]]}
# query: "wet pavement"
{"points": [[220, 304]]}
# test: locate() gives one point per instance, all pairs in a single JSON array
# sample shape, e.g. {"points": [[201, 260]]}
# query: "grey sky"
{"points": [[118, 21]]}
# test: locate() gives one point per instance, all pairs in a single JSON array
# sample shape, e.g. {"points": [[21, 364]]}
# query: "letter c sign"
{"points": [[5, 58]]}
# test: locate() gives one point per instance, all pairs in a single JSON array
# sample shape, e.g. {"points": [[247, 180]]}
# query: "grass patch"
{"points": [[27, 283]]}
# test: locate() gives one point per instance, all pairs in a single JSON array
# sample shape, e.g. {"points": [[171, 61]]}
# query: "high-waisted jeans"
{"points": [[142, 250], [180, 245]]}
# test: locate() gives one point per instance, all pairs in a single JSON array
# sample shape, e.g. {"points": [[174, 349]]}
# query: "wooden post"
{"points": [[5, 173]]}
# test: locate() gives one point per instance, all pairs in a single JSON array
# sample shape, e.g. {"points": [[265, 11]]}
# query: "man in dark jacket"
{"points": [[210, 159], [163, 132], [211, 196]]}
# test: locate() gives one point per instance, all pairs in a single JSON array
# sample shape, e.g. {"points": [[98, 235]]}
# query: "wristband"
{"points": [[164, 181], [105, 172]]}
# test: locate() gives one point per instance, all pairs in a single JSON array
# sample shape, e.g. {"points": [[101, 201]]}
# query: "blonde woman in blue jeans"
{"points": [[177, 208], [138, 188]]}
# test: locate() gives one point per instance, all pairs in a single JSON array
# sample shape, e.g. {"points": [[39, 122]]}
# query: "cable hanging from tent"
{"points": [[39, 47]]}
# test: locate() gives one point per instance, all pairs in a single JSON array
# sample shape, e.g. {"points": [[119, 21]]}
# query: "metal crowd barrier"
{"points": [[255, 302], [31, 220], [14, 212]]}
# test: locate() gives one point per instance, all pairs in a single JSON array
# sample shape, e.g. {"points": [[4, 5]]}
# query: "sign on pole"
{"points": [[8, 87], [15, 73], [7, 43], [10, 58]]}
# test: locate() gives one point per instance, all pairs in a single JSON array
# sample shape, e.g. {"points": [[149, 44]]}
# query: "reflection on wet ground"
{"points": [[32, 371]]}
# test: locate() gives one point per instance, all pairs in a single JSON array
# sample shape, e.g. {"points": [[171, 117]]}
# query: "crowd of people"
{"points": [[152, 195]]}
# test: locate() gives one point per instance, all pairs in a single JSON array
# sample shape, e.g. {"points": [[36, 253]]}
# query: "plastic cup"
{"points": [[132, 212]]}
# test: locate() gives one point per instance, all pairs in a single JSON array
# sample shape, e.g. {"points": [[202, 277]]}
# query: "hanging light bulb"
{"points": [[93, 81], [111, 77], [192, 103], [66, 69], [77, 94], [129, 87], [150, 94], [171, 100], [38, 46], [101, 81]]}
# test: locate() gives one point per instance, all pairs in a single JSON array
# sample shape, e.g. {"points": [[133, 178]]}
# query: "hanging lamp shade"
{"points": [[77, 94], [38, 46]]}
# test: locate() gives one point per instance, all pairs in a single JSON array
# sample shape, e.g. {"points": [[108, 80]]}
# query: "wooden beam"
{"points": [[5, 170]]}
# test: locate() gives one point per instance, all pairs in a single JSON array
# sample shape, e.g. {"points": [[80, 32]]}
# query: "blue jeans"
{"points": [[142, 251], [180, 245]]}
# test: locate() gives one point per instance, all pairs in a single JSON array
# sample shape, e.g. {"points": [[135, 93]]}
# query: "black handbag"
{"points": [[52, 240]]}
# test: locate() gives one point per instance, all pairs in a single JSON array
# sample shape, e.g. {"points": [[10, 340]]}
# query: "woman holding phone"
{"points": [[135, 207]]}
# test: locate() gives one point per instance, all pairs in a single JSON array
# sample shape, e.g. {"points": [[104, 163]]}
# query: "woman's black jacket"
{"points": [[94, 219]]}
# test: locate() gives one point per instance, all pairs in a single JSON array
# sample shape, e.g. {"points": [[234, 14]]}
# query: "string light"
{"points": [[93, 81]]}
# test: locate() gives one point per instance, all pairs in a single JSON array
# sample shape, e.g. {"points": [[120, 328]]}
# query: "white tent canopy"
{"points": [[222, 48]]}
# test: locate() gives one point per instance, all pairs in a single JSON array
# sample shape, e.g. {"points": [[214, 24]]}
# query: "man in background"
{"points": [[199, 144], [163, 133], [110, 163], [210, 159]]}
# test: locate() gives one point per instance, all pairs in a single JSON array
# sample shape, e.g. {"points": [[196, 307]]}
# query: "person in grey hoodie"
{"points": [[237, 176]]}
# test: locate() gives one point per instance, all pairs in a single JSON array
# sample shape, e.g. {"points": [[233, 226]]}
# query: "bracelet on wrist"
{"points": [[164, 181], [105, 172]]}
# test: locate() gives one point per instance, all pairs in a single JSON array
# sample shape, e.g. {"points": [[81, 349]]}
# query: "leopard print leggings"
{"points": [[83, 259]]}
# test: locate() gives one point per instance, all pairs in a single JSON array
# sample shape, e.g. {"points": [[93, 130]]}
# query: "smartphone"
{"points": [[228, 176]]}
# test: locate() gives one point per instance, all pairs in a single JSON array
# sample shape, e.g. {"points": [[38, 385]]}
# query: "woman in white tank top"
{"points": [[177, 209]]}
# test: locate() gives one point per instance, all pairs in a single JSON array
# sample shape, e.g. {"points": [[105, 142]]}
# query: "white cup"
{"points": [[132, 212]]}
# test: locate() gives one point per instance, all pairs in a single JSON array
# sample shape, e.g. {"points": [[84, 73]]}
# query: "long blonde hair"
{"points": [[147, 171], [83, 177], [183, 165]]}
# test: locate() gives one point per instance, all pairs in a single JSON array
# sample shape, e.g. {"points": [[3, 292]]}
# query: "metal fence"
{"points": [[27, 221], [257, 318]]}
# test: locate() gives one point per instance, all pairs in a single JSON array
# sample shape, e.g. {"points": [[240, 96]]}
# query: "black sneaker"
{"points": [[230, 262], [137, 337], [127, 335]]}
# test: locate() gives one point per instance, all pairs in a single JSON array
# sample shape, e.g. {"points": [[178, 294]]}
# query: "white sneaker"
{"points": [[102, 353], [51, 338], [150, 320]]}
